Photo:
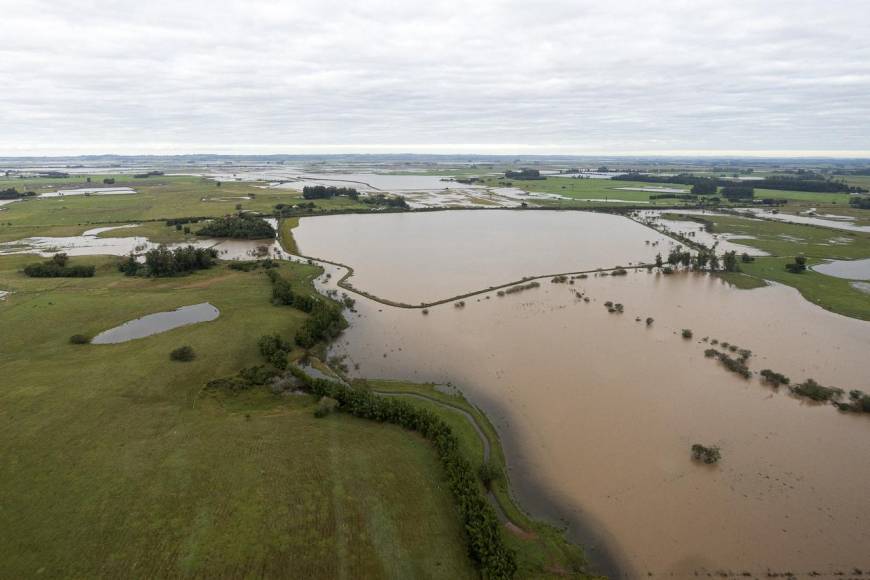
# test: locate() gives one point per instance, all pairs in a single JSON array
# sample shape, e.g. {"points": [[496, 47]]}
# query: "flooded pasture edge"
{"points": [[597, 413]]}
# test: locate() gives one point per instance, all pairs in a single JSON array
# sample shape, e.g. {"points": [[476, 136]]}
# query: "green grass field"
{"points": [[158, 198], [116, 464]]}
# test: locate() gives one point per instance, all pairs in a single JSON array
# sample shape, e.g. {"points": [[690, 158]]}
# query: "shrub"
{"points": [[687, 333], [619, 272], [649, 320], [79, 339], [708, 455], [57, 267], [275, 350], [325, 406], [489, 474], [183, 354]]}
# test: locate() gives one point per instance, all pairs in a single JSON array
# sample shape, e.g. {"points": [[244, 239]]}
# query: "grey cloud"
{"points": [[557, 75]]}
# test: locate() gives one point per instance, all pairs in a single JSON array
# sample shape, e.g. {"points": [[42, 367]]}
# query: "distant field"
{"points": [[115, 463], [157, 198]]}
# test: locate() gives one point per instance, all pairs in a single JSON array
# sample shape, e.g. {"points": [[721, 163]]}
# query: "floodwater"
{"points": [[654, 189], [696, 232], [598, 411], [90, 244], [89, 191], [848, 269], [414, 258], [837, 224], [157, 323]]}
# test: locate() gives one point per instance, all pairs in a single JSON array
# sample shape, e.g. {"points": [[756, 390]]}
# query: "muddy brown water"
{"points": [[598, 411], [414, 258]]}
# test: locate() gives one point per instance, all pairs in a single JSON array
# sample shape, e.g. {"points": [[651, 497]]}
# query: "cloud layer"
{"points": [[566, 76]]}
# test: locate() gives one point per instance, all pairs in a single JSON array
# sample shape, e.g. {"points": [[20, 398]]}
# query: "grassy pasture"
{"points": [[116, 464]]}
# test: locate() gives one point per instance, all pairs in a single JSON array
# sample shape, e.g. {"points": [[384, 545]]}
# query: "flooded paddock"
{"points": [[157, 323], [598, 410], [848, 269], [424, 257]]}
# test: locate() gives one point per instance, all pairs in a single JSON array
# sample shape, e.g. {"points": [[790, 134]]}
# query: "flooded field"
{"points": [[696, 231], [838, 223], [416, 258], [89, 191], [849, 269], [598, 411], [157, 323]]}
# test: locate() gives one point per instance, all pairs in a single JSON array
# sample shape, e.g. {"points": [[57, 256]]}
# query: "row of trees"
{"points": [[485, 542], [12, 193], [328, 192], [241, 226], [703, 259], [162, 262], [325, 320], [58, 267], [391, 201], [708, 185]]}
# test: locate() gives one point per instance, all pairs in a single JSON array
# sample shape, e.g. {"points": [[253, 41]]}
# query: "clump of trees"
{"points": [[325, 321], [183, 354], [812, 390], [274, 349], [12, 193], [524, 174], [859, 402], [328, 192], [161, 262], [58, 267], [389, 201], [708, 455], [240, 226], [737, 192], [489, 474], [247, 378], [798, 266], [735, 365], [483, 532], [773, 378]]}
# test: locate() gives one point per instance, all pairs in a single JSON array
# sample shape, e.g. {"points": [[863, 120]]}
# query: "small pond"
{"points": [[157, 323]]}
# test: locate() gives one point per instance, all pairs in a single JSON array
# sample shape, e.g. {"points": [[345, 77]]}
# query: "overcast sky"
{"points": [[487, 76]]}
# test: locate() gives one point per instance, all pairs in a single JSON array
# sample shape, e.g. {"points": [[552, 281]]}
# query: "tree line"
{"points": [[812, 182], [325, 320], [12, 193], [524, 174], [328, 192]]}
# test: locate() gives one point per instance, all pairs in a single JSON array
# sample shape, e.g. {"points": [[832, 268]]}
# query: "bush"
{"points": [[649, 320], [275, 350], [183, 354], [687, 333], [489, 474], [708, 455], [325, 406], [57, 267], [772, 378], [79, 339]]}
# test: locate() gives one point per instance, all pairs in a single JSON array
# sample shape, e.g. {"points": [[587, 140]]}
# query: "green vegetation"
{"points": [[810, 389], [241, 226], [113, 440], [686, 333], [58, 267], [708, 455], [328, 192], [79, 339], [183, 354], [162, 262], [773, 378], [285, 234]]}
